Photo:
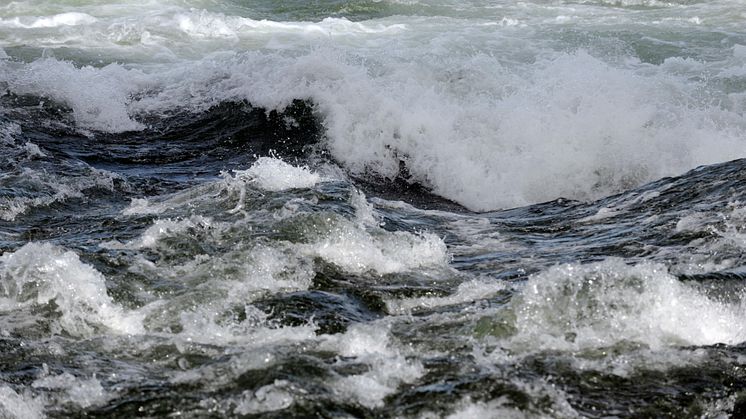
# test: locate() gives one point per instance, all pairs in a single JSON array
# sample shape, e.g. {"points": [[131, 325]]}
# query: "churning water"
{"points": [[334, 208]]}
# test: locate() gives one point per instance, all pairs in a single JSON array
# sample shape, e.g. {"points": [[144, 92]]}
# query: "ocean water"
{"points": [[388, 208]]}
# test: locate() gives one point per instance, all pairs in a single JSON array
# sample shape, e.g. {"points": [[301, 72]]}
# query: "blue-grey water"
{"points": [[417, 209]]}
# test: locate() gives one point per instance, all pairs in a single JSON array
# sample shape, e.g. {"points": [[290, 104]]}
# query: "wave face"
{"points": [[426, 208], [489, 106]]}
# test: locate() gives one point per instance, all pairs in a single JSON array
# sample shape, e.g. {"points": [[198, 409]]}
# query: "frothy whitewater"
{"points": [[420, 209]]}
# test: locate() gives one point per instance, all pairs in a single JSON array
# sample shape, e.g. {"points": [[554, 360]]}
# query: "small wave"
{"points": [[43, 189], [275, 175], [580, 307], [40, 274]]}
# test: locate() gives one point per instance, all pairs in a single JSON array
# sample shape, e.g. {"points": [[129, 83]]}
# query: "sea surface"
{"points": [[373, 209]]}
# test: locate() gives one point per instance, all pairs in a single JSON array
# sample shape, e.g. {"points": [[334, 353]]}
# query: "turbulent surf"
{"points": [[420, 209]]}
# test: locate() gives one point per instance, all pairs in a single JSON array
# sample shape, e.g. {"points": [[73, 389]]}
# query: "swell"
{"points": [[321, 255], [489, 130], [91, 176], [179, 136], [693, 223], [182, 144]]}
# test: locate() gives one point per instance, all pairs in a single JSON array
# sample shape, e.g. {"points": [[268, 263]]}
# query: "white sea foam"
{"points": [[370, 344], [62, 19], [719, 243], [269, 174], [273, 174], [495, 409], [481, 106], [203, 24], [40, 274], [98, 97], [362, 246], [266, 174], [577, 307], [211, 326], [364, 212], [19, 406], [355, 246], [140, 206], [84, 392], [356, 250], [218, 285], [720, 408], [33, 150], [733, 232], [215, 306], [475, 113]]}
